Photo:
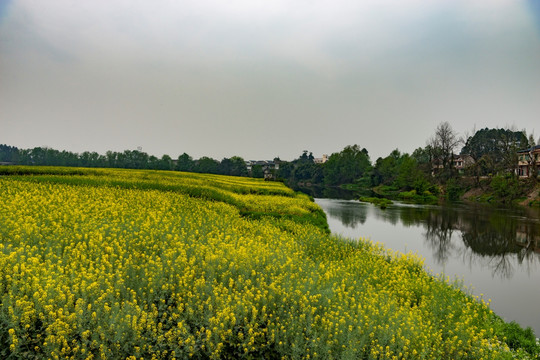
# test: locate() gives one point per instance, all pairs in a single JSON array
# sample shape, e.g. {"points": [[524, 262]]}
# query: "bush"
{"points": [[454, 190], [517, 337], [505, 187]]}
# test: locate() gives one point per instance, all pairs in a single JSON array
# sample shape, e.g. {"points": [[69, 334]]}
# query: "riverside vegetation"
{"points": [[485, 171], [134, 264]]}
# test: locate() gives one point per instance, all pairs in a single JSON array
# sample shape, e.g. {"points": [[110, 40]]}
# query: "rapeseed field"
{"points": [[130, 264]]}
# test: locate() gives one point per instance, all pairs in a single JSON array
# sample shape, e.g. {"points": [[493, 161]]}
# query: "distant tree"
{"points": [[532, 142], [152, 163], [9, 153], [235, 166], [238, 166], [165, 163], [423, 157], [206, 165], [304, 156], [185, 163], [347, 166], [443, 144], [408, 174], [111, 159], [386, 169], [257, 171], [306, 171], [285, 170], [225, 166], [499, 145]]}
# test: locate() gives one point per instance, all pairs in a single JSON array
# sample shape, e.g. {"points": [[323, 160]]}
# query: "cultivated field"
{"points": [[129, 264]]}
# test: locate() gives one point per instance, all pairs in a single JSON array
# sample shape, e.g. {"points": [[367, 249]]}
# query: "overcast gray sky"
{"points": [[263, 78]]}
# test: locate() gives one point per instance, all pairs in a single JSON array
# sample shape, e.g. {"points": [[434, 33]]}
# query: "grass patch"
{"points": [[380, 202]]}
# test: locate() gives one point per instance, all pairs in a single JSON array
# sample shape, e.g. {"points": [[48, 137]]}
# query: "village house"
{"points": [[268, 167], [321, 160], [462, 162], [528, 158], [459, 162]]}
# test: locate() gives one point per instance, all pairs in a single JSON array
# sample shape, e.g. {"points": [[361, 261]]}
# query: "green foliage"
{"points": [[235, 166], [347, 166], [206, 165], [494, 142], [257, 171], [128, 159], [454, 190], [386, 169], [517, 337], [497, 147], [8, 153], [412, 196], [400, 176], [506, 188], [301, 170], [185, 163]]}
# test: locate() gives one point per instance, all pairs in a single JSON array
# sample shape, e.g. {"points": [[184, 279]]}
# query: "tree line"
{"points": [[128, 159], [494, 151]]}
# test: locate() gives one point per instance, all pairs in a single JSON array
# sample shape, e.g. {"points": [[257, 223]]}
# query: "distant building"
{"points": [[459, 162], [462, 162], [528, 158], [269, 167], [321, 160]]}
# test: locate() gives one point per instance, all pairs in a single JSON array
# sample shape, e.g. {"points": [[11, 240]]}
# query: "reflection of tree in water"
{"points": [[326, 192], [440, 225], [498, 238], [495, 237], [528, 239], [390, 215], [410, 216], [350, 216], [491, 238]]}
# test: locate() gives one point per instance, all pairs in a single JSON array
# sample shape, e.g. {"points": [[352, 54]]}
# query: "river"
{"points": [[494, 251]]}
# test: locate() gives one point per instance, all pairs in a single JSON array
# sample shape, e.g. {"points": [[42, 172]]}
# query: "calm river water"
{"points": [[496, 252]]}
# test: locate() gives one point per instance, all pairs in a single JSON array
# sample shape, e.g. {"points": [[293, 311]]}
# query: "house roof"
{"points": [[531, 149]]}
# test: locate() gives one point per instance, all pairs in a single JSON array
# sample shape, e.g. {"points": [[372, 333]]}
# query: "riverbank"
{"points": [[156, 263], [501, 190]]}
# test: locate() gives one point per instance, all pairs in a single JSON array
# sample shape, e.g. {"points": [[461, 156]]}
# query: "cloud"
{"points": [[249, 77]]}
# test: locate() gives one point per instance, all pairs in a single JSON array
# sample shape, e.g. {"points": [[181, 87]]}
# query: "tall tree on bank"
{"points": [[347, 166], [443, 144], [496, 149]]}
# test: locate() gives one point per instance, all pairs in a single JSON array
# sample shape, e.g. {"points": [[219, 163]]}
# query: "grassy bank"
{"points": [[500, 189], [122, 264]]}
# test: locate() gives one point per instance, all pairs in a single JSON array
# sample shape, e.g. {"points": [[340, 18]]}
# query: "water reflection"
{"points": [[349, 216], [493, 237], [328, 192], [482, 235]]}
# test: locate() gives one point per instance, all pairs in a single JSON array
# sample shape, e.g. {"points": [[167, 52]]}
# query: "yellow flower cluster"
{"points": [[111, 272]]}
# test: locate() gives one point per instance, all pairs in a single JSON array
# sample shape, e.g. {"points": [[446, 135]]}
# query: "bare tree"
{"points": [[443, 143]]}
